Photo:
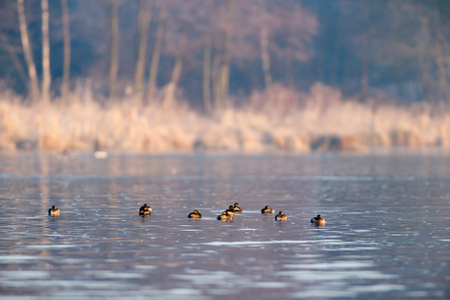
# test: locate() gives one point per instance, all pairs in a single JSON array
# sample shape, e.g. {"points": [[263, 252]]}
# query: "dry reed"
{"points": [[277, 119]]}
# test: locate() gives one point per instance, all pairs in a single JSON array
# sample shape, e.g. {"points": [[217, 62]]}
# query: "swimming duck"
{"points": [[318, 221], [54, 211], [237, 208], [281, 216], [224, 216], [230, 211], [145, 210], [195, 214], [267, 210]]}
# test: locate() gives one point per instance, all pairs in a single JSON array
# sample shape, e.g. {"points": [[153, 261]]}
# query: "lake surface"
{"points": [[387, 233]]}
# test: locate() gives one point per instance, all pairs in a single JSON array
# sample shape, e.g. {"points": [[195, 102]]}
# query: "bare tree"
{"points": [[14, 58], [206, 83], [264, 41], [156, 53], [182, 39], [145, 8], [411, 42], [66, 37], [290, 32], [114, 38], [432, 48], [46, 76], [224, 79], [269, 31], [215, 77], [27, 51], [206, 80], [265, 58], [172, 85]]}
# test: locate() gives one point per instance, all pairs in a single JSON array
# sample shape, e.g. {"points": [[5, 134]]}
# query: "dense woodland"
{"points": [[209, 50]]}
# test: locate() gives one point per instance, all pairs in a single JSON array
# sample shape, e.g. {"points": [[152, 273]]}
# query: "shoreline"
{"points": [[277, 120]]}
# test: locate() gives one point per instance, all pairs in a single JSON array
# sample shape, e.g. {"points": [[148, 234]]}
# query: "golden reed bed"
{"points": [[277, 119]]}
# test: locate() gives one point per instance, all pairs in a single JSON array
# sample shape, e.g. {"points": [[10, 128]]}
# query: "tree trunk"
{"points": [[66, 36], [424, 64], [442, 65], [156, 55], [206, 79], [224, 84], [27, 51], [225, 70], [14, 58], [114, 36], [216, 79], [46, 76], [426, 77], [145, 8], [172, 86], [289, 73], [207, 105], [265, 58], [364, 78]]}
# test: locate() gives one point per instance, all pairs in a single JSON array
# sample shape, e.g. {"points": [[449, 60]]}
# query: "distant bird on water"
{"points": [[237, 208], [281, 216], [224, 216], [195, 215], [54, 211], [267, 210], [98, 153], [318, 221], [145, 210], [230, 211]]}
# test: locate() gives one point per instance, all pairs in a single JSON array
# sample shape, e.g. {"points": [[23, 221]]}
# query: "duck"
{"points": [[281, 216], [145, 210], [98, 153], [267, 210], [54, 211], [195, 214], [318, 221], [224, 216], [230, 211], [237, 208]]}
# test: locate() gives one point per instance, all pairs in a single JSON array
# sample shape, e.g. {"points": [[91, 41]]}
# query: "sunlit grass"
{"points": [[278, 119]]}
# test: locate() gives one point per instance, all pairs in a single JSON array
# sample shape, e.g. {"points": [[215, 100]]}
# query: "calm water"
{"points": [[387, 233]]}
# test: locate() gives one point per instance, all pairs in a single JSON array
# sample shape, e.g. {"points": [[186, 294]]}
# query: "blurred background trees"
{"points": [[209, 50]]}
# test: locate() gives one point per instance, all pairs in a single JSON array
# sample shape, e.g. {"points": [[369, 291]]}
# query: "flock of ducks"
{"points": [[227, 214]]}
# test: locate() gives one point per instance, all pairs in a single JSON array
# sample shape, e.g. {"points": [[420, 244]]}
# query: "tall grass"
{"points": [[277, 119]]}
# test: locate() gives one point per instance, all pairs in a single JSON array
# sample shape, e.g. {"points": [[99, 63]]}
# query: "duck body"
{"points": [[231, 211], [195, 215], [267, 210], [54, 211], [145, 210], [281, 217], [224, 216], [318, 221], [237, 208]]}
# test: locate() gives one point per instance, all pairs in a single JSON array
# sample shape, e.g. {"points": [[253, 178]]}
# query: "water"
{"points": [[387, 233]]}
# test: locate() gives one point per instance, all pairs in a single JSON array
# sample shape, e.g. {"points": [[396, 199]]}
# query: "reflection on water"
{"points": [[387, 232]]}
